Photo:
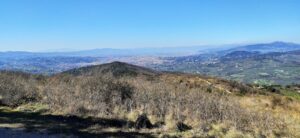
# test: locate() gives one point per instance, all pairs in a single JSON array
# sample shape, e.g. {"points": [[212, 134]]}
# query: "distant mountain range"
{"points": [[266, 47], [162, 52], [271, 63], [109, 52]]}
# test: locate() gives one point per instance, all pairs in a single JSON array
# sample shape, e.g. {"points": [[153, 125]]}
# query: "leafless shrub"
{"points": [[196, 104], [99, 95], [17, 88]]}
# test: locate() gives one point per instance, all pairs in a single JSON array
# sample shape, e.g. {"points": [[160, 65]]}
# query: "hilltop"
{"points": [[117, 69]]}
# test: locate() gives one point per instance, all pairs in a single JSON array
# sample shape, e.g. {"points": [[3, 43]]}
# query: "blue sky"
{"points": [[39, 25]]}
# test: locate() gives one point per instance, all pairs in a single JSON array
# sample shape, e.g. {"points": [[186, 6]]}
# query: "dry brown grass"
{"points": [[286, 109]]}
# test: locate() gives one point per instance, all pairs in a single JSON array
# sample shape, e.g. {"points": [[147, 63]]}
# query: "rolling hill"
{"points": [[245, 66], [117, 69]]}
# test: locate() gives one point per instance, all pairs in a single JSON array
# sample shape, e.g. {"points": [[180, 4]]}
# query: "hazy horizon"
{"points": [[201, 47]]}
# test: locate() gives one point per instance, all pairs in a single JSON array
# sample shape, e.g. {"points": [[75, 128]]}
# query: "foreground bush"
{"points": [[117, 98], [17, 88]]}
